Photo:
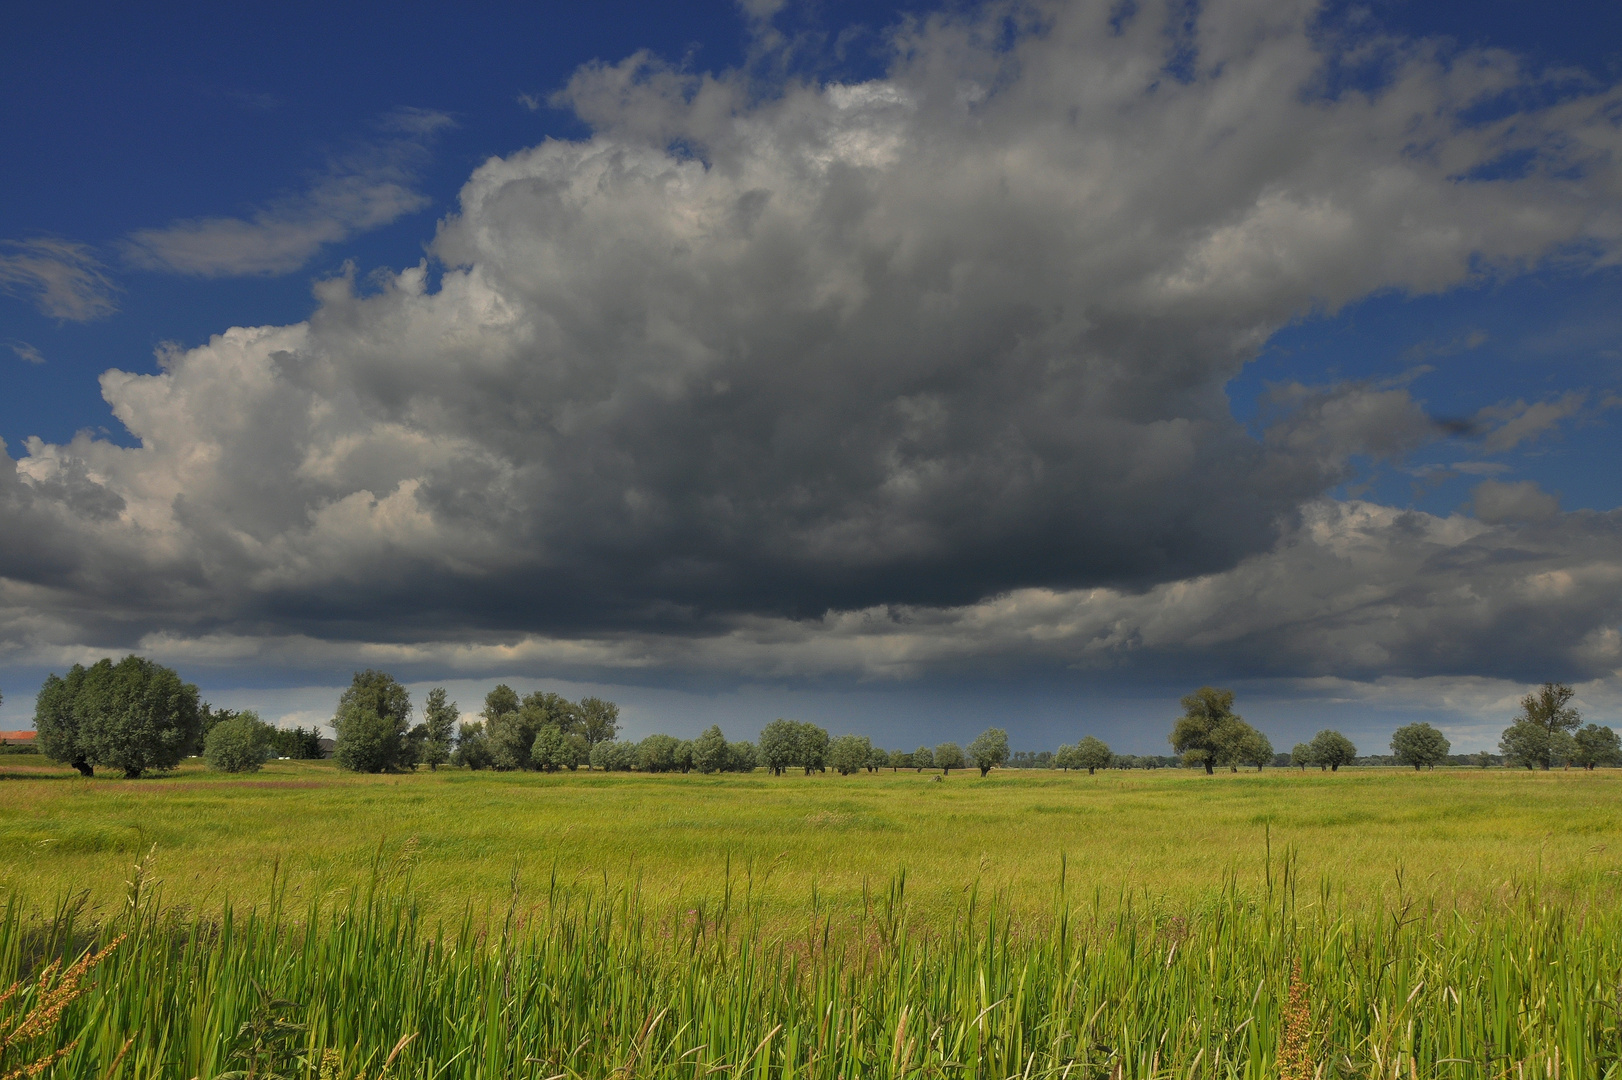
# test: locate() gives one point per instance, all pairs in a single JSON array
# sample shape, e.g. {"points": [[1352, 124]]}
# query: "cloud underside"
{"points": [[883, 378]]}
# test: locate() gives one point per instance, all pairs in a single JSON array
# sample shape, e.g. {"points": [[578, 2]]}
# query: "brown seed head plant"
{"points": [[53, 994], [1294, 1060]]}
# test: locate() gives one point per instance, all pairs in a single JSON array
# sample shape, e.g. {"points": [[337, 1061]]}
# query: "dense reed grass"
{"points": [[598, 981]]}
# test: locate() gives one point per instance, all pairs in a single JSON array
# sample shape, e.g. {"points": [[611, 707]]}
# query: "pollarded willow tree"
{"points": [[1420, 745], [1210, 733], [136, 715], [1330, 750], [989, 750]]}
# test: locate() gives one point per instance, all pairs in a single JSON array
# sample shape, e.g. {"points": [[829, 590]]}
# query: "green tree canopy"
{"points": [[1419, 745], [240, 744], [1209, 732], [949, 756], [923, 758], [1596, 745], [440, 718], [989, 750], [472, 746], [1253, 748], [741, 757], [777, 746], [710, 750], [848, 754], [599, 720], [1331, 750], [1301, 756], [136, 715], [657, 753], [1092, 754], [810, 747], [1540, 736], [372, 722], [550, 750]]}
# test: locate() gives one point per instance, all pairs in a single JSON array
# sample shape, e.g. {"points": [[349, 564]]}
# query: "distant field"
{"points": [[1168, 836], [1470, 928]]}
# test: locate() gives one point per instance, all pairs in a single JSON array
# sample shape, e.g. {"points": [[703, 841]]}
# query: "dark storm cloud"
{"points": [[956, 334]]}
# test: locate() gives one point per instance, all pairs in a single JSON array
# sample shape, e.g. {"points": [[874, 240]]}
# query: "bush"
{"points": [[240, 744]]}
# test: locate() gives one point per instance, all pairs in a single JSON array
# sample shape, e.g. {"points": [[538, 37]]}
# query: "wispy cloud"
{"points": [[26, 352], [368, 190], [63, 279]]}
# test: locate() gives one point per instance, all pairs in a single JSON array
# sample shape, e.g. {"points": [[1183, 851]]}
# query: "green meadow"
{"points": [[308, 923], [1174, 836]]}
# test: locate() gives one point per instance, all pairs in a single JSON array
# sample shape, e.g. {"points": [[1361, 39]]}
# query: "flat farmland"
{"points": [[1167, 837]]}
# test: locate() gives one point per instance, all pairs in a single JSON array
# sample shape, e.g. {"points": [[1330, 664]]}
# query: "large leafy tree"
{"points": [[439, 719], [472, 746], [57, 722], [848, 754], [1595, 745], [923, 758], [1541, 735], [777, 746], [136, 715], [1330, 750], [1419, 745], [1253, 748], [599, 720], [1090, 753], [989, 749], [373, 724], [507, 745], [710, 750], [810, 747], [658, 753], [1209, 732], [948, 756], [741, 757]]}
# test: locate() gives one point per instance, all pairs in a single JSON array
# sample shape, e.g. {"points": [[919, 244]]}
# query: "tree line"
{"points": [[138, 716]]}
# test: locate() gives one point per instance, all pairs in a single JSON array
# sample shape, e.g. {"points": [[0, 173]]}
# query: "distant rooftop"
{"points": [[17, 736]]}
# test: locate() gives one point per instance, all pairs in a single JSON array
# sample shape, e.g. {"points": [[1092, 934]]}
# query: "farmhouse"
{"points": [[17, 738]]}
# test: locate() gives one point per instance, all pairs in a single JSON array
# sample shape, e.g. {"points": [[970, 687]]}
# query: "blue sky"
{"points": [[183, 174]]}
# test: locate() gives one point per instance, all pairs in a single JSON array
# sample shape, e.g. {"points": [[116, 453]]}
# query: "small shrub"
{"points": [[240, 744]]}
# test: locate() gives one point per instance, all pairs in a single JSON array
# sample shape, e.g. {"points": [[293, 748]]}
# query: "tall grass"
{"points": [[598, 982]]}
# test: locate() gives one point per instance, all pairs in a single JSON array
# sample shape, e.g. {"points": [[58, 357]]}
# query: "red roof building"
{"points": [[17, 738]]}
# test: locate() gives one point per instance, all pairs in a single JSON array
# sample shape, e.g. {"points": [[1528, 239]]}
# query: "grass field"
{"points": [[1456, 923], [1171, 835]]}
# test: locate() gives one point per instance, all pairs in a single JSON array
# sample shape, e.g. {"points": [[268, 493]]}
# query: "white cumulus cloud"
{"points": [[926, 371]]}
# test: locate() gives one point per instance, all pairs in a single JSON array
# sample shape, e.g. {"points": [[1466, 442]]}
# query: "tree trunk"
{"points": [[1209, 767], [84, 767], [131, 773]]}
